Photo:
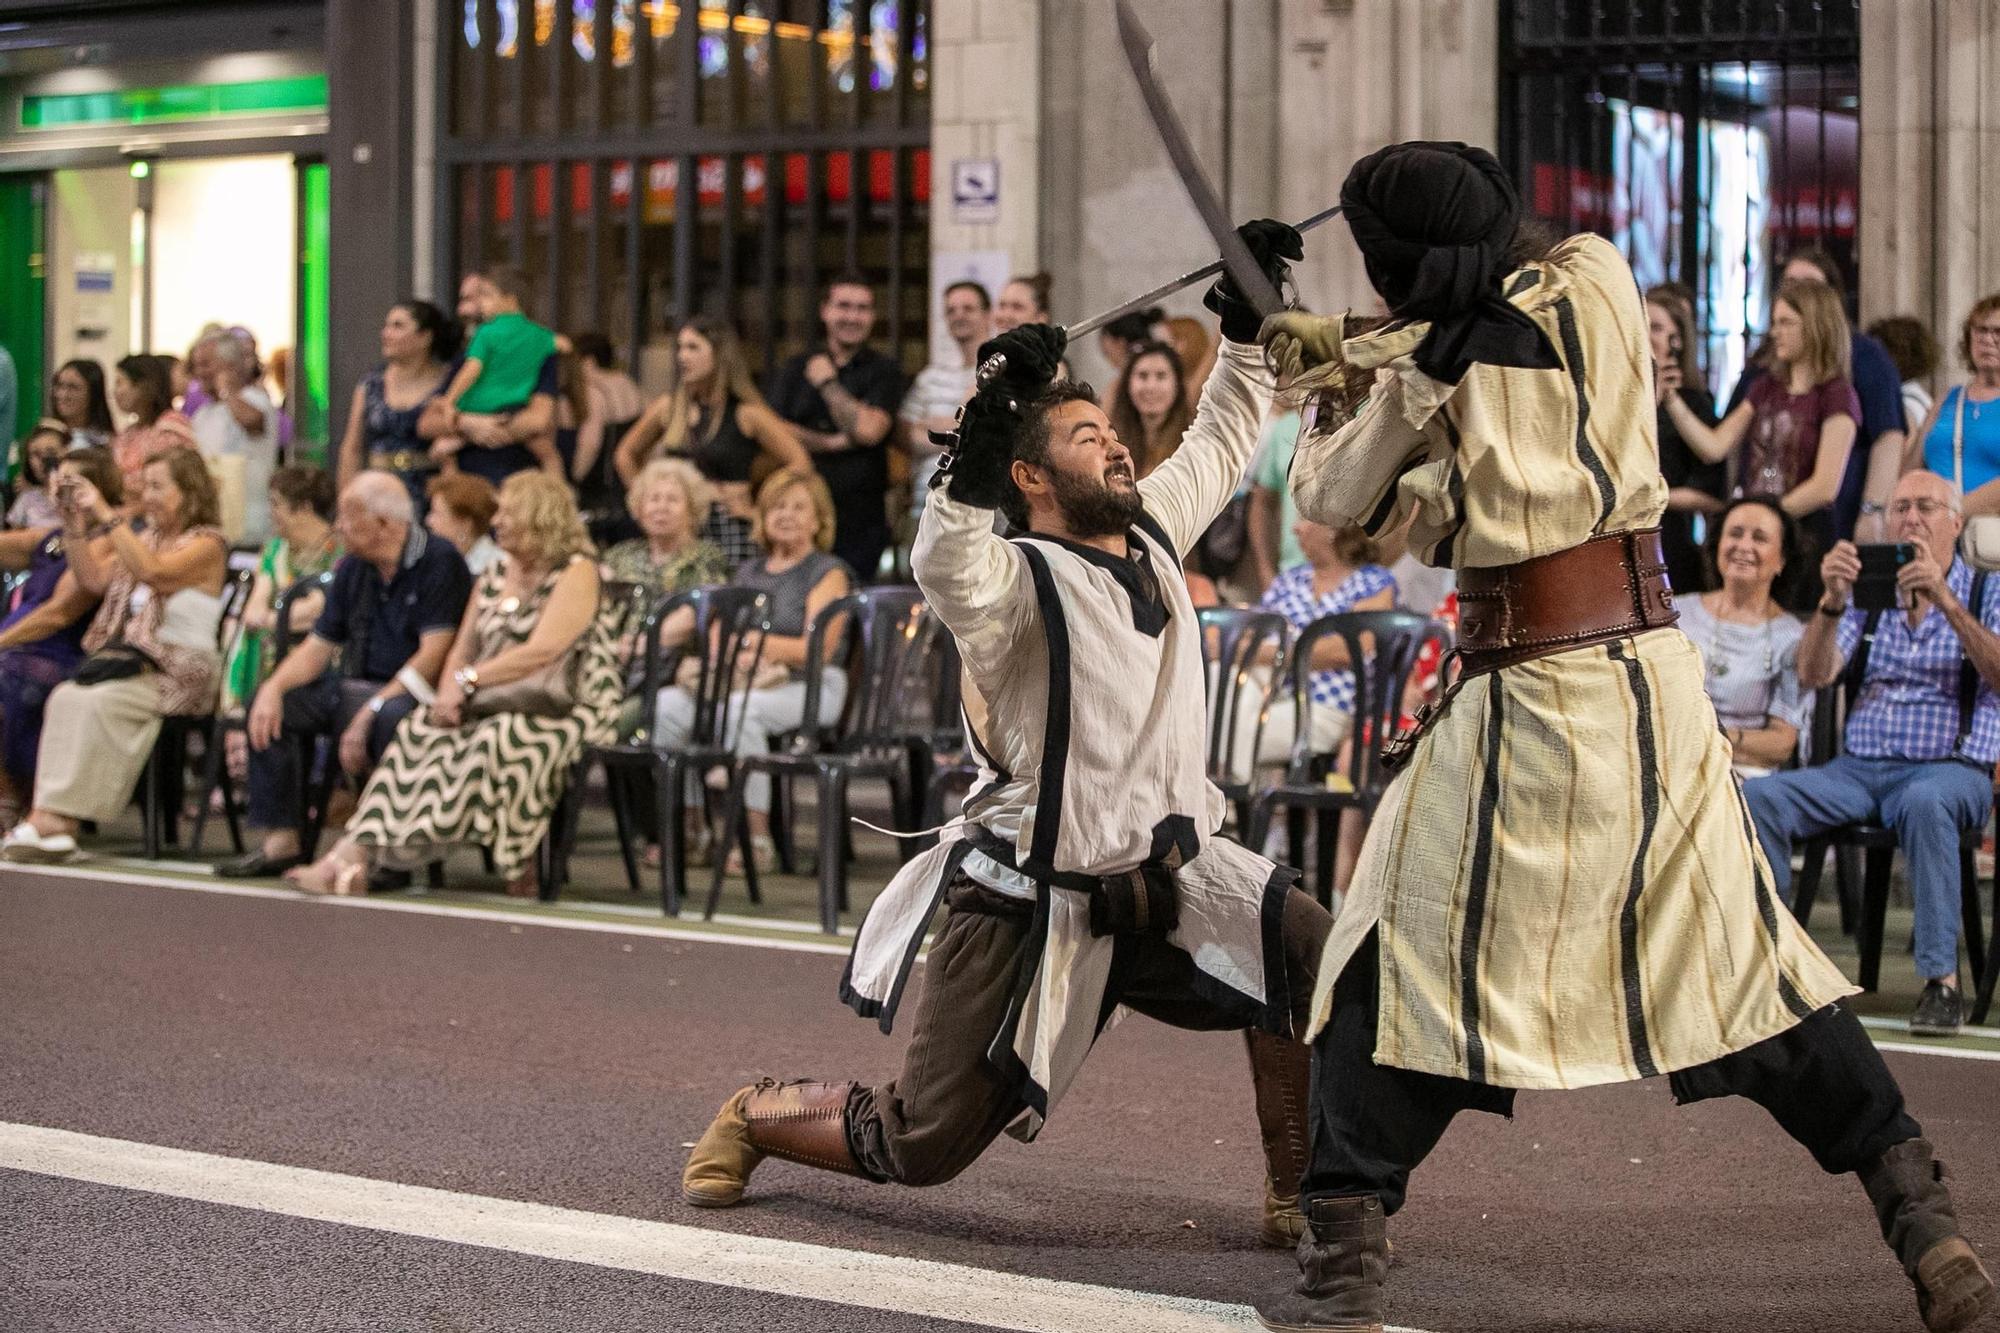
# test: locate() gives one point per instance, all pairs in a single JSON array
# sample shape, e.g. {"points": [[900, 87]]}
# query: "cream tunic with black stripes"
{"points": [[1565, 881]]}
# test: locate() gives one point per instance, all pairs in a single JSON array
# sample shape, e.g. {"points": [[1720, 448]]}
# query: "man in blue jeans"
{"points": [[1922, 736]]}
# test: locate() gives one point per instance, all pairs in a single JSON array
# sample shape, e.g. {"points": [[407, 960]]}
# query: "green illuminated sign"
{"points": [[187, 101]]}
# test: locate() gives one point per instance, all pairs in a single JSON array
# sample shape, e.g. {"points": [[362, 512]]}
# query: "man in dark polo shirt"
{"points": [[390, 617], [842, 398]]}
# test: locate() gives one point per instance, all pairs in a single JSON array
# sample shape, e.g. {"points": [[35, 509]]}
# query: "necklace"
{"points": [[1718, 664]]}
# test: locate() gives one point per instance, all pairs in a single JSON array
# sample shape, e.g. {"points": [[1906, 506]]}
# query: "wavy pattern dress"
{"points": [[495, 781]]}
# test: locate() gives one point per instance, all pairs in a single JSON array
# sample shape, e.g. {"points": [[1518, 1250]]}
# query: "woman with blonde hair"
{"points": [[1149, 406], [667, 500], [714, 415], [531, 680], [799, 578], [152, 646], [1791, 435]]}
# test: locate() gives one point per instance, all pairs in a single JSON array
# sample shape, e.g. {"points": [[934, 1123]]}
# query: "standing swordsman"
{"points": [[1562, 888], [1086, 878]]}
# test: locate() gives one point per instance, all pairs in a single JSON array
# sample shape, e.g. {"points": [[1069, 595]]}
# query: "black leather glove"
{"points": [[1270, 244], [976, 472]]}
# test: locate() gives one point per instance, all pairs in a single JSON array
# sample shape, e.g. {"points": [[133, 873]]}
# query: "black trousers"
{"points": [[1823, 1081], [319, 707]]}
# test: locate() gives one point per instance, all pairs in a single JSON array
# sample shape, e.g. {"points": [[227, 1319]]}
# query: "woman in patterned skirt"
{"points": [[488, 772]]}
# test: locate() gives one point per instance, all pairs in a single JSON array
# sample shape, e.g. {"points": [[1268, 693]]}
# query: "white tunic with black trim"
{"points": [[1090, 710], [1565, 880]]}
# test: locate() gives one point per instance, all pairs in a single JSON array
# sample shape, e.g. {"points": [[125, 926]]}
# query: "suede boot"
{"points": [[801, 1122], [1281, 1075], [1906, 1185], [1343, 1258]]}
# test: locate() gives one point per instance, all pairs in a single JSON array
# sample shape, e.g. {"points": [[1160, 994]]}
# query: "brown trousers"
{"points": [[936, 1117]]}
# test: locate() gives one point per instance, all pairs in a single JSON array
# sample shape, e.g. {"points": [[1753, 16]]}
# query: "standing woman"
{"points": [[162, 591], [1960, 439], [1791, 435], [76, 398], [418, 342], [1149, 405], [1694, 487], [714, 415], [615, 404], [143, 387]]}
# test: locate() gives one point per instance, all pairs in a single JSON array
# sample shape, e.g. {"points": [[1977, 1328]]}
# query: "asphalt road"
{"points": [[568, 1067]]}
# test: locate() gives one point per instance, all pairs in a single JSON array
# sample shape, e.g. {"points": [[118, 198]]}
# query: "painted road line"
{"points": [[1915, 1048], [919, 1287], [1880, 1024], [522, 916]]}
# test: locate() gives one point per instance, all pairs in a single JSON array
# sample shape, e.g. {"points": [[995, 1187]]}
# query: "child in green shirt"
{"points": [[505, 356]]}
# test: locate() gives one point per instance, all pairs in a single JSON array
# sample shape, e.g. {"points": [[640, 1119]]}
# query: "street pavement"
{"points": [[501, 1060]]}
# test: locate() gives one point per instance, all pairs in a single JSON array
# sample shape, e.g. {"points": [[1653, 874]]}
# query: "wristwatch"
{"points": [[1831, 612], [376, 704], [468, 680]]}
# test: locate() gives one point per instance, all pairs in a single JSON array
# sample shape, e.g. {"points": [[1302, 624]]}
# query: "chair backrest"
{"points": [[1382, 648], [626, 604], [727, 620], [236, 587], [1233, 644], [877, 633], [281, 610]]}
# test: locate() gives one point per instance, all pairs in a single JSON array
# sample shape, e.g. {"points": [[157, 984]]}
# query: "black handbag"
{"points": [[114, 661]]}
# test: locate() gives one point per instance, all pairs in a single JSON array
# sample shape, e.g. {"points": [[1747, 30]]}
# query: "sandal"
{"points": [[348, 880]]}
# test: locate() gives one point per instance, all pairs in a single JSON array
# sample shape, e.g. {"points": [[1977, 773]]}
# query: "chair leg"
{"points": [[211, 774], [617, 792], [434, 875], [1847, 877], [149, 813], [1325, 837], [735, 832], [669, 789], [1874, 911], [832, 791], [1295, 836], [232, 811], [783, 808], [1968, 906], [1983, 1004], [1805, 888], [902, 802]]}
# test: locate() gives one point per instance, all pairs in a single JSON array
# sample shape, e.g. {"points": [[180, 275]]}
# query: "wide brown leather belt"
{"points": [[1609, 587]]}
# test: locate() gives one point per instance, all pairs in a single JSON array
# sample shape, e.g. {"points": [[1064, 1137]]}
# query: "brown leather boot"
{"points": [[799, 1122], [1281, 1074], [1906, 1185], [1343, 1258]]}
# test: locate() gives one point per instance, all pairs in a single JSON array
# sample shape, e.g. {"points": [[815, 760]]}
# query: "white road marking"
{"points": [[523, 916], [920, 1287], [1916, 1048], [1880, 1024]]}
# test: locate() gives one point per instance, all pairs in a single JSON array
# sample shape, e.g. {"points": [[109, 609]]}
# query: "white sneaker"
{"points": [[25, 845]]}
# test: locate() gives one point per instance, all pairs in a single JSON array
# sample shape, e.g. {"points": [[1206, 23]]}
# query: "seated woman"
{"points": [[669, 498], [303, 545], [34, 508], [461, 511], [41, 640], [795, 529], [1748, 643], [530, 681], [1340, 574], [162, 604]]}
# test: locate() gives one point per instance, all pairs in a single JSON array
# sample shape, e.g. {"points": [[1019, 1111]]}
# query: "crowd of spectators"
{"points": [[440, 586]]}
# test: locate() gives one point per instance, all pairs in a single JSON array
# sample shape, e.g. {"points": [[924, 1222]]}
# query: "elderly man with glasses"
{"points": [[1923, 734]]}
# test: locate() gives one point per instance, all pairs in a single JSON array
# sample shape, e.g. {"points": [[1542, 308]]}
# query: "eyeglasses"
{"points": [[1928, 508], [1986, 330]]}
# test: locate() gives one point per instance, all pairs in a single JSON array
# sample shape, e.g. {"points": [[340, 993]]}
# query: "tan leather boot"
{"points": [[801, 1122], [1343, 1259], [1906, 1185], [1281, 1074]]}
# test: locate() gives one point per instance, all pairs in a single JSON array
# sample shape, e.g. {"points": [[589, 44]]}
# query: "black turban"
{"points": [[1434, 222]]}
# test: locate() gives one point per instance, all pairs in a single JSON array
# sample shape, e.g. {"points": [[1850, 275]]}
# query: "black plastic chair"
{"points": [[215, 768], [726, 619], [1982, 1004], [875, 737], [164, 778], [1382, 649], [1234, 640]]}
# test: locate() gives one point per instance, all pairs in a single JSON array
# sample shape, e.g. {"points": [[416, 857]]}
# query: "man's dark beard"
{"points": [[1091, 507]]}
